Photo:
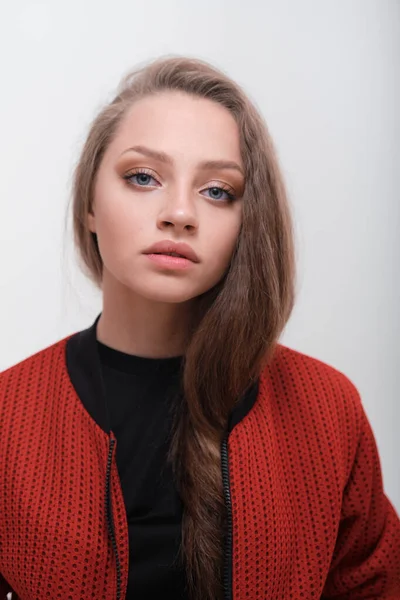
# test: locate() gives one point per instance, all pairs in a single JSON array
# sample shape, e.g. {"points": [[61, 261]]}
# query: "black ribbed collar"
{"points": [[85, 372]]}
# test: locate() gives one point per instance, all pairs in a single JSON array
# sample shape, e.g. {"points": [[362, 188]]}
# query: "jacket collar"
{"points": [[85, 372]]}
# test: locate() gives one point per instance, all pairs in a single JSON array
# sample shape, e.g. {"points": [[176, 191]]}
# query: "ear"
{"points": [[91, 221]]}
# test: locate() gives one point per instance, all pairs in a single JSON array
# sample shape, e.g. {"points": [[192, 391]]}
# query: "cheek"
{"points": [[221, 243], [116, 233]]}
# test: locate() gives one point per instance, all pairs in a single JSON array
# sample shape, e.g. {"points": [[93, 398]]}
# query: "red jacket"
{"points": [[308, 515]]}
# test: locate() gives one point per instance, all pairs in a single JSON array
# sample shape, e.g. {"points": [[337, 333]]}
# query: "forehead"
{"points": [[181, 125]]}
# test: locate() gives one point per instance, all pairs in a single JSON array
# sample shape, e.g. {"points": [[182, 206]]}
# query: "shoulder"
{"points": [[309, 376], [33, 370], [315, 394], [309, 368]]}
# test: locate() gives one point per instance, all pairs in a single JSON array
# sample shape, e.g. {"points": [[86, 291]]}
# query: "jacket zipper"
{"points": [[110, 520], [227, 574]]}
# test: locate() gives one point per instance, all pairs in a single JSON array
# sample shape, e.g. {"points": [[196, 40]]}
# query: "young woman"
{"points": [[174, 448]]}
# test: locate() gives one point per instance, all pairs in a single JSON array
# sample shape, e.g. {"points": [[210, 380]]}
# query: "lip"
{"points": [[166, 246], [174, 263]]}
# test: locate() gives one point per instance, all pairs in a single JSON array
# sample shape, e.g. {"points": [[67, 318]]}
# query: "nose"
{"points": [[178, 212]]}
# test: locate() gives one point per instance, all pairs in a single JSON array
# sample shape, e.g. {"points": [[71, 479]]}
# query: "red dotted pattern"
{"points": [[310, 517], [53, 530]]}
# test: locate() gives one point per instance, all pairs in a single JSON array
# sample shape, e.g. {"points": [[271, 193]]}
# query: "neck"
{"points": [[136, 325]]}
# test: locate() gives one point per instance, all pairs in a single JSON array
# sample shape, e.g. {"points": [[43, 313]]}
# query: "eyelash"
{"points": [[128, 176]]}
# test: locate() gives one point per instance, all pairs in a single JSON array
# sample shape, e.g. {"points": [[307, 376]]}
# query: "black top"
{"points": [[140, 392]]}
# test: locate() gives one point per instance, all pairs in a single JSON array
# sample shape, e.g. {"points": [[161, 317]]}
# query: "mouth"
{"points": [[173, 249], [170, 260], [170, 254]]}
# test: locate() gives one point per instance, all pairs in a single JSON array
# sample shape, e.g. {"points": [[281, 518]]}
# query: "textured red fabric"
{"points": [[310, 516]]}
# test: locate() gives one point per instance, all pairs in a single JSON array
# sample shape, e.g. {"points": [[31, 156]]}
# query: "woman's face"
{"points": [[163, 189]]}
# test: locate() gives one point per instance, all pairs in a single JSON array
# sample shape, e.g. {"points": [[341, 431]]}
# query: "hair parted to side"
{"points": [[239, 321]]}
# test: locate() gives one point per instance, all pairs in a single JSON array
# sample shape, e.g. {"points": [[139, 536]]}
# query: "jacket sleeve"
{"points": [[366, 559]]}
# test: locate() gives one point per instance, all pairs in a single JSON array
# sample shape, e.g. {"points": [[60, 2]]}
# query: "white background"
{"points": [[326, 76]]}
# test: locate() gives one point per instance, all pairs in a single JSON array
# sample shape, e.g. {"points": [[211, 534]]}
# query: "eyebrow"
{"points": [[164, 158]]}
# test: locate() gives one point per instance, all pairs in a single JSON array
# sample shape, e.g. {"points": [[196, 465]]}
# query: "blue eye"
{"points": [[142, 178], [216, 192]]}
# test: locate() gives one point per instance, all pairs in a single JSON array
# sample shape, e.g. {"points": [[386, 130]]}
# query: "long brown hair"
{"points": [[239, 321]]}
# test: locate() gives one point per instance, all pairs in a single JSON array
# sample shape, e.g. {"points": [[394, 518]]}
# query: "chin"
{"points": [[173, 298], [171, 292], [173, 289]]}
